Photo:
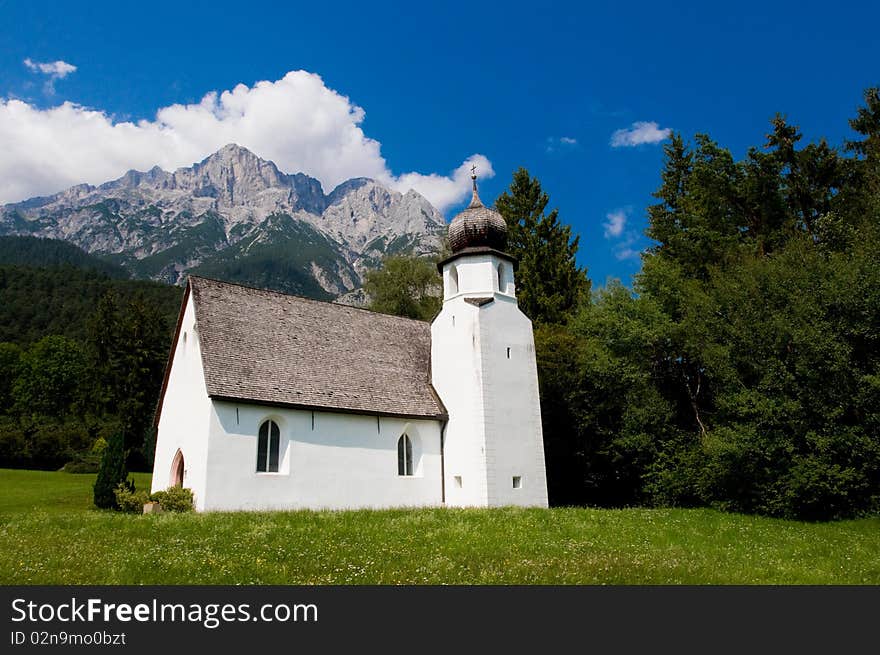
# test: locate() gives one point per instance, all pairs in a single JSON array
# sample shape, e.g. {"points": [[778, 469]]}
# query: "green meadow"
{"points": [[51, 534]]}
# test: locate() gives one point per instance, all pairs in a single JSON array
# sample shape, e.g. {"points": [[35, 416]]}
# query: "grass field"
{"points": [[51, 534]]}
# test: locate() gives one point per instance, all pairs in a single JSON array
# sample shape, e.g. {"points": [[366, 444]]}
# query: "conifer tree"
{"points": [[111, 473], [548, 280]]}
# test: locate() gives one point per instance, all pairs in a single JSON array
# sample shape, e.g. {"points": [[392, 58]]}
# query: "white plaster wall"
{"points": [[494, 431], [345, 461], [456, 373], [514, 439], [185, 415]]}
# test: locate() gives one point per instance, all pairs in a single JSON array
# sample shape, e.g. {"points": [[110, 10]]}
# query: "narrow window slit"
{"points": [[404, 456]]}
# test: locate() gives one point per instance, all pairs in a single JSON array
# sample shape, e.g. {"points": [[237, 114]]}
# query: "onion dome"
{"points": [[477, 226]]}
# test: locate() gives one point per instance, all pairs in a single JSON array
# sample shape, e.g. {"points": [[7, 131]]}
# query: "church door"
{"points": [[177, 470]]}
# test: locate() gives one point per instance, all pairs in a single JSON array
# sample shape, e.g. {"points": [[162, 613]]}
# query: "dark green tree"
{"points": [[867, 125], [811, 176], [405, 285], [549, 282], [10, 366], [128, 347], [52, 378], [144, 356], [112, 472], [867, 149], [105, 342]]}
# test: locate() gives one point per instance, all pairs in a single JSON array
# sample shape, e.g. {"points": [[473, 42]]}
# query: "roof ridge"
{"points": [[306, 298]]}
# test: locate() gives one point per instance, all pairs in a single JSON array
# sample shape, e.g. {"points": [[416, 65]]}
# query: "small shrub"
{"points": [[88, 462], [175, 499], [129, 500]]}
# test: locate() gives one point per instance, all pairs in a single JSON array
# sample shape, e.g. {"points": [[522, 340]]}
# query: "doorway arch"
{"points": [[177, 470]]}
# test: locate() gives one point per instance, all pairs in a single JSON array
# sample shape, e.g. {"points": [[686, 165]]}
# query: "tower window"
{"points": [[453, 281], [505, 277], [404, 456], [508, 353], [499, 277], [268, 445], [517, 482]]}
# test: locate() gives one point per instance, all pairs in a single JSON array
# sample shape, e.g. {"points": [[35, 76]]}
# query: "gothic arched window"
{"points": [[268, 445], [404, 455]]}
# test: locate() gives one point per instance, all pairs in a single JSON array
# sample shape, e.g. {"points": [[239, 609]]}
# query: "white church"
{"points": [[273, 401]]}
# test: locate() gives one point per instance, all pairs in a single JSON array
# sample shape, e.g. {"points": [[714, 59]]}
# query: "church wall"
{"points": [[185, 415], [457, 377], [340, 461]]}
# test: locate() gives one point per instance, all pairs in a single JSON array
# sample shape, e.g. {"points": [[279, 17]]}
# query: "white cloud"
{"points": [[297, 122], [615, 224], [639, 133], [626, 240], [444, 191], [624, 253], [57, 69], [554, 144]]}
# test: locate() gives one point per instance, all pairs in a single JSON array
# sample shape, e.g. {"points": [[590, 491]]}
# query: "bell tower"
{"points": [[483, 368]]}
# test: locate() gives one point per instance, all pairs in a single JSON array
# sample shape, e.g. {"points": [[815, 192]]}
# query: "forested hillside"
{"points": [[36, 251], [42, 301], [81, 354]]}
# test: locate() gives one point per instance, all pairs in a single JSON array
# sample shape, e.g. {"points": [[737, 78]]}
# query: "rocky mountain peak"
{"points": [[230, 208]]}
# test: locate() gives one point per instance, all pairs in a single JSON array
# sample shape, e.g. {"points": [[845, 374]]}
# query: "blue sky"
{"points": [[540, 85]]}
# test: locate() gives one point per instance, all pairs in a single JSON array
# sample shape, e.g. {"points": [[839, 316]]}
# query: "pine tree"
{"points": [[867, 124], [549, 282], [128, 347], [111, 473]]}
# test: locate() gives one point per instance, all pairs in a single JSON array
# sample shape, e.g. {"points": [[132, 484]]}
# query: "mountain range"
{"points": [[236, 217]]}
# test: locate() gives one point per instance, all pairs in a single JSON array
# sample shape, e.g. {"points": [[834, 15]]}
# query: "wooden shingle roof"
{"points": [[273, 348]]}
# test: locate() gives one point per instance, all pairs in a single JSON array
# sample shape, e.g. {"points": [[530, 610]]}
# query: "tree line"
{"points": [[81, 360], [742, 370]]}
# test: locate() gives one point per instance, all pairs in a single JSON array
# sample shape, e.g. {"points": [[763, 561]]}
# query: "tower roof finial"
{"points": [[475, 199]]}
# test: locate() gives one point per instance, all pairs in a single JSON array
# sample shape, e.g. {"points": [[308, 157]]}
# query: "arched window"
{"points": [[177, 469], [453, 281], [404, 456], [499, 277], [268, 444]]}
